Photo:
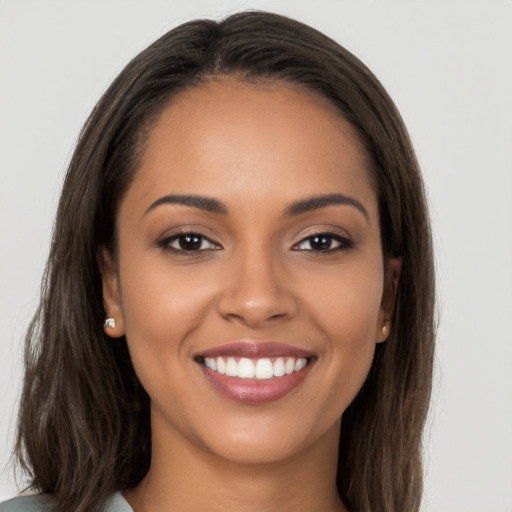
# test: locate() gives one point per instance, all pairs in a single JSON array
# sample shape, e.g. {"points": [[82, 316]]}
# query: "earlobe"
{"points": [[113, 325], [392, 275]]}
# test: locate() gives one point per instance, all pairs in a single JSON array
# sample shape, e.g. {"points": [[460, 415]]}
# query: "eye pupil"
{"points": [[320, 243], [190, 242]]}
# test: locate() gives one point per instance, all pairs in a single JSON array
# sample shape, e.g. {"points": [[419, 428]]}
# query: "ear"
{"points": [[391, 276], [111, 295]]}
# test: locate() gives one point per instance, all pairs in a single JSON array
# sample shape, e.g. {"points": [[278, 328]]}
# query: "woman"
{"points": [[238, 305]]}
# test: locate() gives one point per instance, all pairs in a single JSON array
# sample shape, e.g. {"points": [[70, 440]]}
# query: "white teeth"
{"points": [[264, 369], [231, 368], [260, 369], [279, 369], [245, 368], [300, 363], [221, 365], [210, 362]]}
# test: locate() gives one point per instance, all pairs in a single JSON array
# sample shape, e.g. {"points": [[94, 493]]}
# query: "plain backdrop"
{"points": [[447, 65]]}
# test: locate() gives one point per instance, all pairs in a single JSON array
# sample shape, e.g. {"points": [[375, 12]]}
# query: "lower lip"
{"points": [[254, 391]]}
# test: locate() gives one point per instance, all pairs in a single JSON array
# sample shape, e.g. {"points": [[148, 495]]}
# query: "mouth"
{"points": [[258, 369], [255, 373]]}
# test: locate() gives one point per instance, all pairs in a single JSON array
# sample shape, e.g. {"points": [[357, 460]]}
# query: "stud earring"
{"points": [[386, 330], [109, 322]]}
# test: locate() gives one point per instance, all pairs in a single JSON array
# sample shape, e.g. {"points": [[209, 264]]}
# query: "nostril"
{"points": [[277, 316], [255, 317]]}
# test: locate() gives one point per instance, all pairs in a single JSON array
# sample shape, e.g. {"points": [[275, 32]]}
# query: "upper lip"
{"points": [[251, 349]]}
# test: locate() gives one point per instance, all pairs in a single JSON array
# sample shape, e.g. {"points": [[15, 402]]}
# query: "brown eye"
{"points": [[323, 242], [188, 242]]}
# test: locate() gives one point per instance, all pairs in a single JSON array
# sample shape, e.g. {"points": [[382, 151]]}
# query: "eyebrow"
{"points": [[207, 204], [317, 202], [211, 205]]}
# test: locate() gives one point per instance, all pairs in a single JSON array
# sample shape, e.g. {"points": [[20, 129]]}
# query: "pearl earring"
{"points": [[386, 330], [110, 322]]}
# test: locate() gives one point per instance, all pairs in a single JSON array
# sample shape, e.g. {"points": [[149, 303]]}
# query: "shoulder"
{"points": [[42, 504], [116, 504], [26, 504]]}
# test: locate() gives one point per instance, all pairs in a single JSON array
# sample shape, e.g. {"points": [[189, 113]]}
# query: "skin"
{"points": [[258, 149]]}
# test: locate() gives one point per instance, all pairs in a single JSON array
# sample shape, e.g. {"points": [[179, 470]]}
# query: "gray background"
{"points": [[448, 66]]}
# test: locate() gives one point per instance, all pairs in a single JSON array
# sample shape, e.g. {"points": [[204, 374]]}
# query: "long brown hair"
{"points": [[84, 428]]}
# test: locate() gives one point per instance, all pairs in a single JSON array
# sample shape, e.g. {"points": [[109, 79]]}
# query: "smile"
{"points": [[255, 373], [260, 369]]}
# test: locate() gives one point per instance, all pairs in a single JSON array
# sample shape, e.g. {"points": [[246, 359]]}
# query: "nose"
{"points": [[257, 292]]}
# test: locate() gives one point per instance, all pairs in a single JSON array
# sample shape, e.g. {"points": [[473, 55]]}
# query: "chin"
{"points": [[267, 441]]}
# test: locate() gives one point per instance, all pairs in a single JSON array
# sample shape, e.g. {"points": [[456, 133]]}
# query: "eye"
{"points": [[323, 242], [188, 242]]}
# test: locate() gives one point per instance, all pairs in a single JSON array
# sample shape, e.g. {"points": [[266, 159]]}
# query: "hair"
{"points": [[84, 428]]}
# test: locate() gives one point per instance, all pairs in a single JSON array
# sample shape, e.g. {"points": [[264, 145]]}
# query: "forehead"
{"points": [[225, 138]]}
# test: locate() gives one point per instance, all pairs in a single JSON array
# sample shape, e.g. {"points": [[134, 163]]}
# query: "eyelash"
{"points": [[343, 242], [165, 243]]}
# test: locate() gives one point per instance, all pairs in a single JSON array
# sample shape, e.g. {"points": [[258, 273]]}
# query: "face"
{"points": [[249, 280]]}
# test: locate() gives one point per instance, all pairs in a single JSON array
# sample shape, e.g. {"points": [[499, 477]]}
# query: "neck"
{"points": [[185, 477]]}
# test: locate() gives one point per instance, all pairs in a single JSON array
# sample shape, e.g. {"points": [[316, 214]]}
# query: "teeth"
{"points": [[260, 369], [245, 368], [300, 363], [221, 365], [231, 368], [264, 369], [210, 362], [279, 369]]}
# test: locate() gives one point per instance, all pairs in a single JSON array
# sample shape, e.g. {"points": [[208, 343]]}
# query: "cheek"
{"points": [[347, 303], [157, 296], [347, 313], [162, 308]]}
